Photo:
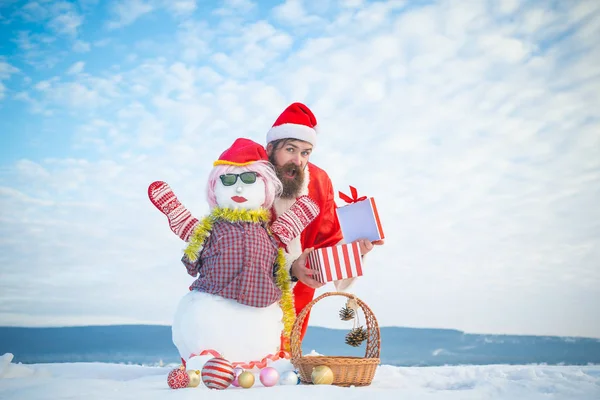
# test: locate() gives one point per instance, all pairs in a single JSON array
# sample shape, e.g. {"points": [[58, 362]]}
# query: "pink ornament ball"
{"points": [[178, 379], [237, 371], [269, 376], [217, 373]]}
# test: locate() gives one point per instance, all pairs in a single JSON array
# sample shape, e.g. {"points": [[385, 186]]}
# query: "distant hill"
{"points": [[151, 344]]}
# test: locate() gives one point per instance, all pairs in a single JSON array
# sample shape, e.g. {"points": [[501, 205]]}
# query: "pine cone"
{"points": [[346, 313], [356, 336]]}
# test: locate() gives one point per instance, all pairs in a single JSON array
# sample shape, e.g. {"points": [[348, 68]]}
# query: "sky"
{"points": [[474, 125]]}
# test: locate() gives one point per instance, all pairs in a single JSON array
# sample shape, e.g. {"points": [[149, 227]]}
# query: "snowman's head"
{"points": [[249, 187], [243, 178]]}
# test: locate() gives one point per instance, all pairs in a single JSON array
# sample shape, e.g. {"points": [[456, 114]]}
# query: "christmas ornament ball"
{"points": [[217, 373], [178, 378], [269, 376], [194, 376], [322, 375], [237, 371], [246, 379], [289, 378]]}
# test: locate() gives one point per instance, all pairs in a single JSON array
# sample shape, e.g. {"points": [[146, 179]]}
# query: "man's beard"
{"points": [[291, 177]]}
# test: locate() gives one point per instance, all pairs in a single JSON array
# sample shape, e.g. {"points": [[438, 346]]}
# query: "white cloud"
{"points": [[61, 16], [81, 47], [127, 12], [6, 70], [21, 197], [102, 42], [351, 3], [235, 7], [293, 13], [181, 7], [85, 93], [76, 68], [38, 49], [505, 49], [34, 11], [31, 170], [66, 23], [508, 6], [43, 85]]}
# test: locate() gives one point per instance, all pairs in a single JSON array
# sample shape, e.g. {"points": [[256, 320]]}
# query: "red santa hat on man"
{"points": [[295, 122]]}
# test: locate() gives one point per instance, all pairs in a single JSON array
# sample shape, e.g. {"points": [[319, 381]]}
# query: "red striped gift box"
{"points": [[336, 262]]}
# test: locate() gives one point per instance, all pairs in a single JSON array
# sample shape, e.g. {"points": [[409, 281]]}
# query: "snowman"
{"points": [[240, 306]]}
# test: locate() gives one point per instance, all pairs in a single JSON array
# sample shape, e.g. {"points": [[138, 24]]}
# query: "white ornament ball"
{"points": [[289, 378]]}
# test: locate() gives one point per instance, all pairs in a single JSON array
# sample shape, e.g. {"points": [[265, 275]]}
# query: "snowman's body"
{"points": [[233, 306], [206, 323]]}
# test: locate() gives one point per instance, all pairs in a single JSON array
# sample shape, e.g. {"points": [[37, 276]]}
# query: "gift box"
{"points": [[336, 262], [359, 219]]}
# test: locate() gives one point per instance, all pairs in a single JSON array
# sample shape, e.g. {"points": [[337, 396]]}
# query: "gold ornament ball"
{"points": [[246, 379], [194, 378], [322, 375]]}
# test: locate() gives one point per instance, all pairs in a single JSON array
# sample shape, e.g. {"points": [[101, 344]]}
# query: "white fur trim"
{"points": [[292, 131]]}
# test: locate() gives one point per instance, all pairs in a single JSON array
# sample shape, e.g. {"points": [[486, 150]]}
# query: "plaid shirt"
{"points": [[237, 262]]}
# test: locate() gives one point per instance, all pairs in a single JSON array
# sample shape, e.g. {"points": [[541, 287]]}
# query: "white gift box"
{"points": [[360, 219]]}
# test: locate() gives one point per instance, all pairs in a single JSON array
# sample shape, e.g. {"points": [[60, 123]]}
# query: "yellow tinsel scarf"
{"points": [[282, 276]]}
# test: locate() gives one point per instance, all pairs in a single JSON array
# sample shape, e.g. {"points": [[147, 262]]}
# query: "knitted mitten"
{"points": [[181, 221], [292, 222]]}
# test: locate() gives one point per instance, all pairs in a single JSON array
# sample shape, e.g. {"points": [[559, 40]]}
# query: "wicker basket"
{"points": [[347, 371]]}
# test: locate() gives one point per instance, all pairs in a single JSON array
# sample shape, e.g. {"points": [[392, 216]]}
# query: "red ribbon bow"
{"points": [[354, 198]]}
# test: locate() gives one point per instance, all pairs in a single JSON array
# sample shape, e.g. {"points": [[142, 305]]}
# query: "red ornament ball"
{"points": [[217, 373], [178, 378]]}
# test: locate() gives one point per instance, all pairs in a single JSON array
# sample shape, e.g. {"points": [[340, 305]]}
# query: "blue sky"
{"points": [[475, 125]]}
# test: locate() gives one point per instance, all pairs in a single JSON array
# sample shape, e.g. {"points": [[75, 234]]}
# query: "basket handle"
{"points": [[373, 339]]}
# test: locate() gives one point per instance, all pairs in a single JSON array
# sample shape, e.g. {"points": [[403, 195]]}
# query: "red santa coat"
{"points": [[324, 231]]}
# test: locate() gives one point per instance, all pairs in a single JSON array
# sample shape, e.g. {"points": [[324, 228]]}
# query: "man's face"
{"points": [[290, 158]]}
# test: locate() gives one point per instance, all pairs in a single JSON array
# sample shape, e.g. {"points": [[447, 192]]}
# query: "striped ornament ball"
{"points": [[217, 373]]}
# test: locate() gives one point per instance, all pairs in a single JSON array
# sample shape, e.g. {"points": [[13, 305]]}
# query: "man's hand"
{"points": [[366, 246], [305, 275]]}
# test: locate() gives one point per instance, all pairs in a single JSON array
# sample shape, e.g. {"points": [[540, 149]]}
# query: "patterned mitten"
{"points": [[181, 221], [292, 222]]}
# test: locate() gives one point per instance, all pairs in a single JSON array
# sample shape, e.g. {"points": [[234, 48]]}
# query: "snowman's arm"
{"points": [[181, 220]]}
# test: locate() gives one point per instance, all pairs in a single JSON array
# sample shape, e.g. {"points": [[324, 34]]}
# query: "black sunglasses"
{"points": [[231, 179]]}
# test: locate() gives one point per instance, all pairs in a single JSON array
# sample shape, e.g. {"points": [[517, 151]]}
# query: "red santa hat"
{"points": [[295, 122], [242, 152]]}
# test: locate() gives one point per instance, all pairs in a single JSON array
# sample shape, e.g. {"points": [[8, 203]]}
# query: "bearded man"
{"points": [[290, 142]]}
